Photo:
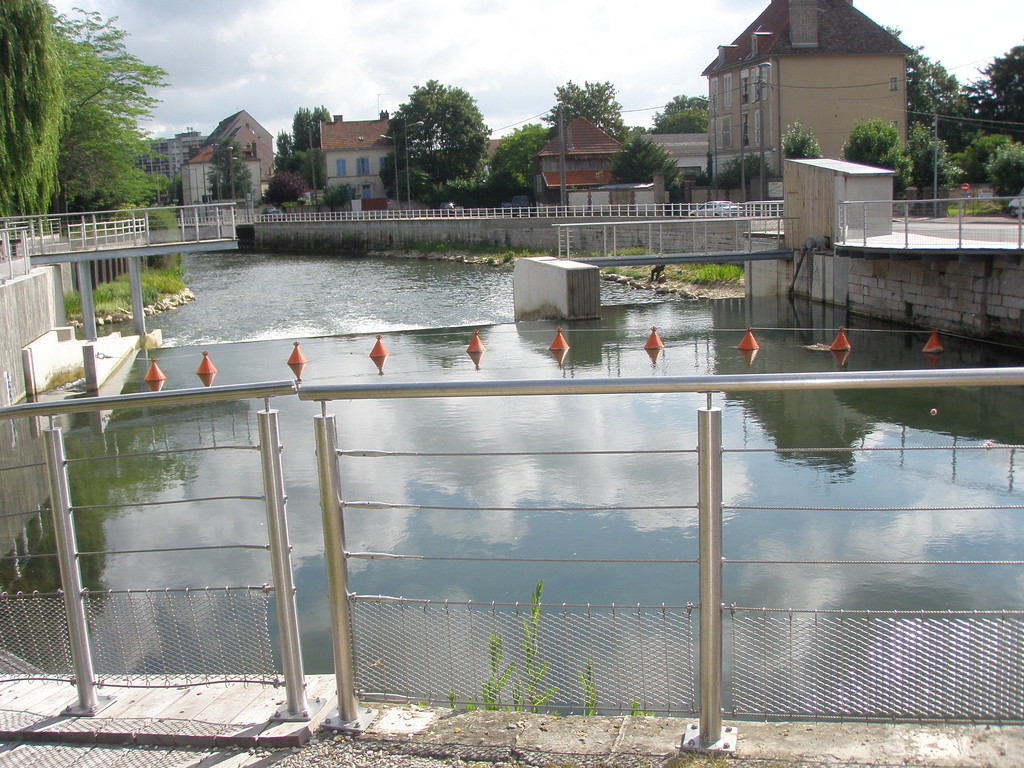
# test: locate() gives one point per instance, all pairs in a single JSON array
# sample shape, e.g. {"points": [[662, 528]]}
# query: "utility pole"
{"points": [[563, 193]]}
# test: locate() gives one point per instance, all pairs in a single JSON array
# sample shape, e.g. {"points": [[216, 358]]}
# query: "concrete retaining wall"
{"points": [[29, 307], [984, 299]]}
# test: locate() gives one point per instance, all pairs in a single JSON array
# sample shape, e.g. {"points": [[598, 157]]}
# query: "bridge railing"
{"points": [[154, 635], [701, 655], [98, 231], [763, 208], [953, 223], [13, 259], [659, 237]]}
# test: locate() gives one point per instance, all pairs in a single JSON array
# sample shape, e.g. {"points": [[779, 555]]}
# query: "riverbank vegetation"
{"points": [[113, 302]]}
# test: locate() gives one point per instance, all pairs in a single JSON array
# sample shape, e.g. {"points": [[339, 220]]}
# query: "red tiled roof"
{"points": [[842, 30], [583, 138], [577, 178], [354, 134]]}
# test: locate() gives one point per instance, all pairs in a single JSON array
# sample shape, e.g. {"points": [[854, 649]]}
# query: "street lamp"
{"points": [[398, 195], [408, 194], [762, 76]]}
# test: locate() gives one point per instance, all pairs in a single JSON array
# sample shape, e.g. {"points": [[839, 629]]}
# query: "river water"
{"points": [[785, 452]]}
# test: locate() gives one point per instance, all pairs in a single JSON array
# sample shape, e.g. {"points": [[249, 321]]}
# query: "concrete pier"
{"points": [[545, 288]]}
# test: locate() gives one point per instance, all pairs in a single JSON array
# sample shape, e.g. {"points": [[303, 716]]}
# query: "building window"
{"points": [[745, 123], [339, 167], [758, 137], [380, 163], [367, 189], [713, 94], [894, 83], [745, 86], [363, 166], [727, 133], [727, 87]]}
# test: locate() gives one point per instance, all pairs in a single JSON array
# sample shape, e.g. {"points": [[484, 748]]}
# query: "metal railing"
{"points": [[955, 223], [98, 231], [701, 655], [13, 260], [705, 236], [763, 209], [741, 661], [165, 636]]}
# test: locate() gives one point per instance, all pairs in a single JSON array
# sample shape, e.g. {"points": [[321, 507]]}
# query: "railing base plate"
{"points": [[334, 722], [76, 710], [726, 744]]}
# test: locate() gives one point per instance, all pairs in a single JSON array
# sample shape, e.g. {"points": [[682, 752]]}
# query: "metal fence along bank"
{"points": [[703, 657]]}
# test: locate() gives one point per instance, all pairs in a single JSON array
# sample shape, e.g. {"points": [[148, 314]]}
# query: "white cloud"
{"points": [[357, 58]]}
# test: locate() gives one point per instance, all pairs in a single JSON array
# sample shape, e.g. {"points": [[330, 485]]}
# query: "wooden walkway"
{"points": [[186, 726]]}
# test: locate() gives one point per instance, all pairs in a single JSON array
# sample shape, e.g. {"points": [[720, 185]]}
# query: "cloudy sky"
{"points": [[357, 57]]}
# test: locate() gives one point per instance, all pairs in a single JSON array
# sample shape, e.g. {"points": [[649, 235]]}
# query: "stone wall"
{"points": [[979, 298], [983, 298]]}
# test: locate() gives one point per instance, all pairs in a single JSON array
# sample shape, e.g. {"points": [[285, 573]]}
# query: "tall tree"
{"points": [[306, 127], [514, 155], [974, 158], [441, 131], [929, 158], [108, 92], [31, 106], [594, 101], [229, 177], [684, 114], [998, 96], [639, 159], [933, 93], [299, 151], [1006, 168], [877, 143], [799, 142]]}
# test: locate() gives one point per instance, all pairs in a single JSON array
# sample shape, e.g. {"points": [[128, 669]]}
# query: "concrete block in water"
{"points": [[545, 288]]}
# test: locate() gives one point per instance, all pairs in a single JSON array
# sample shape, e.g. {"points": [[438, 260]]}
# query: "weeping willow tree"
{"points": [[31, 106]]}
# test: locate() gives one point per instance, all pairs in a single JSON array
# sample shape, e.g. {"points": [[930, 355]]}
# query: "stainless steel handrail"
{"points": [[963, 377]]}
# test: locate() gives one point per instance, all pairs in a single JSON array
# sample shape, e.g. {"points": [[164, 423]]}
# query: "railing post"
{"points": [[281, 565], [349, 716], [70, 576], [708, 734]]}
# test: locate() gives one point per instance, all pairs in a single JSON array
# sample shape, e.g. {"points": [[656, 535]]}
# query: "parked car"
{"points": [[718, 208], [274, 213], [1016, 204], [448, 207]]}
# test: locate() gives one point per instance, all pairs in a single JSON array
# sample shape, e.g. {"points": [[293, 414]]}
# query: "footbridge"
{"points": [[700, 240], [83, 239]]}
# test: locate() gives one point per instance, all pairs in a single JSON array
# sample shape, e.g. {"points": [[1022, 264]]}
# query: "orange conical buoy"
{"points": [[206, 371], [154, 377], [654, 340], [476, 345], [559, 343], [934, 346], [841, 344], [297, 361], [379, 350], [749, 342]]}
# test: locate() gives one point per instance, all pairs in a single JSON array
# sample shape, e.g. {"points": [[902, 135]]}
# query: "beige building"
{"points": [[820, 62], [354, 153], [256, 145]]}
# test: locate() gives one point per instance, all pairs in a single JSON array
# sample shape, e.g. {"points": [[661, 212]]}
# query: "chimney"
{"points": [[803, 23], [339, 118], [384, 115]]}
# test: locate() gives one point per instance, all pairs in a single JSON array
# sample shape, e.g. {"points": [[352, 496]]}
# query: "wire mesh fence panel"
{"points": [[33, 636], [584, 659], [188, 636], [893, 665]]}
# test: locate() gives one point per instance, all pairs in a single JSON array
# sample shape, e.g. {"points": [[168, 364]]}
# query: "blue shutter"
{"points": [[339, 167]]}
